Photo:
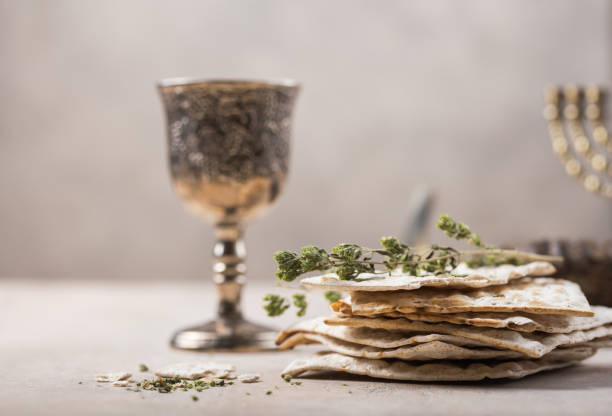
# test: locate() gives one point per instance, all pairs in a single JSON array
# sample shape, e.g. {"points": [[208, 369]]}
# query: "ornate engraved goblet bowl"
{"points": [[228, 147]]}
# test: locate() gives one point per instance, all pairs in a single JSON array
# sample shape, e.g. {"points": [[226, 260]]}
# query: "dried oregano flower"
{"points": [[332, 296], [276, 305], [299, 301]]}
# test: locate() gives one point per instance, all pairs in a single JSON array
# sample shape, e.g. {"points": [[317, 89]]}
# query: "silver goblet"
{"points": [[228, 147]]}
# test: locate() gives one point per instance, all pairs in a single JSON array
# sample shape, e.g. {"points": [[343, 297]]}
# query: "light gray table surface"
{"points": [[55, 334]]}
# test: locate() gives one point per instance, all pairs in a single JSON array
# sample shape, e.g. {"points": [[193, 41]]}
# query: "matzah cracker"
{"points": [[427, 351], [462, 277], [539, 296], [443, 371], [531, 344], [523, 322], [194, 371], [249, 378], [112, 377], [371, 337]]}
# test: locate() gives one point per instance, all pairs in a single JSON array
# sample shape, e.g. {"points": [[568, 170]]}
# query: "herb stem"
{"points": [[497, 251], [461, 254]]}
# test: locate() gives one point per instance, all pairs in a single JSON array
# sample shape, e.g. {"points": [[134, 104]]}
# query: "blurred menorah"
{"points": [[586, 155]]}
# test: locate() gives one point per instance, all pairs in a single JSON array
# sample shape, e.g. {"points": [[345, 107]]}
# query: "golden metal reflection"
{"points": [[579, 112]]}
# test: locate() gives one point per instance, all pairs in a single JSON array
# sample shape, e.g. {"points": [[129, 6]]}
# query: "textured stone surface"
{"points": [[53, 336]]}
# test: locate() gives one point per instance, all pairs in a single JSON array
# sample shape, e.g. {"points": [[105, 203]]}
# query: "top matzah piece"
{"points": [[467, 277], [540, 296]]}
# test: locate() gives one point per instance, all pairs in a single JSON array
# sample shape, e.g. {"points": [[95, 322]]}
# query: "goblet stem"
{"points": [[229, 331], [230, 254]]}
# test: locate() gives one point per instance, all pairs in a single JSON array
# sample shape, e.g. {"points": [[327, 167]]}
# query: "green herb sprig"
{"points": [[348, 261], [299, 301], [332, 296], [167, 385], [275, 305]]}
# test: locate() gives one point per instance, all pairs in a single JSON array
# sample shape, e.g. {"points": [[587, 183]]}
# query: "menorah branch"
{"points": [[576, 112]]}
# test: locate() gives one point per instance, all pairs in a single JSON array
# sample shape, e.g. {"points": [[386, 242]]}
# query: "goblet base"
{"points": [[235, 334]]}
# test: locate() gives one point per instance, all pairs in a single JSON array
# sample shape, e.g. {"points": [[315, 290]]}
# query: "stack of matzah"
{"points": [[492, 322]]}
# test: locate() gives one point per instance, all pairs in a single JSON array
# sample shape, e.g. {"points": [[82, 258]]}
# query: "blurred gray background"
{"points": [[396, 94]]}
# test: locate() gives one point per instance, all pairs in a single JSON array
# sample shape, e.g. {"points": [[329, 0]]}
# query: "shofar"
{"points": [[443, 371], [461, 277]]}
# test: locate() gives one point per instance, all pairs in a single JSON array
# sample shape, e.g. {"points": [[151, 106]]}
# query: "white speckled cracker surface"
{"points": [[249, 378], [442, 371], [193, 371], [465, 277], [112, 377], [539, 296]]}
